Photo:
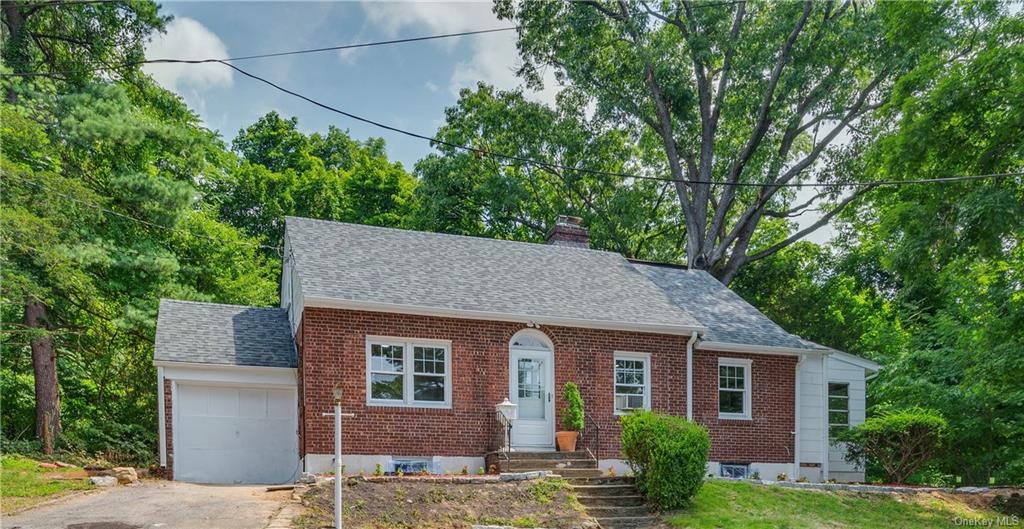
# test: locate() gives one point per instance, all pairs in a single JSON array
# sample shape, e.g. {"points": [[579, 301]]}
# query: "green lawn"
{"points": [[728, 504], [25, 484]]}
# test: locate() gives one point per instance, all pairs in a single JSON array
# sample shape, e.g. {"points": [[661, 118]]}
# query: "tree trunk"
{"points": [[15, 52], [44, 366]]}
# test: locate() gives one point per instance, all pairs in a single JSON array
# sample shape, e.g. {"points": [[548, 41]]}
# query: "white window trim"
{"points": [[407, 345], [646, 359], [747, 388], [829, 410]]}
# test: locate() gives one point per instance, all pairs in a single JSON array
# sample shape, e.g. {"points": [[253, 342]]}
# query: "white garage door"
{"points": [[235, 434]]}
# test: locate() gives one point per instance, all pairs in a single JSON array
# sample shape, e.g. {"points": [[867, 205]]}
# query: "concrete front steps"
{"points": [[612, 501]]}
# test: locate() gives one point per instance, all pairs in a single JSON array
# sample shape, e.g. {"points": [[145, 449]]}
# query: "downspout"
{"points": [[796, 419], [689, 375]]}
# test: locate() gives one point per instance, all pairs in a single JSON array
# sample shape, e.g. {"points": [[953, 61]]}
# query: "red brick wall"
{"points": [[332, 347], [767, 437], [168, 422]]}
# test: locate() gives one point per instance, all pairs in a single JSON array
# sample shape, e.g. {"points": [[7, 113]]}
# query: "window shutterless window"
{"points": [[403, 372], [632, 382], [838, 407], [733, 388]]}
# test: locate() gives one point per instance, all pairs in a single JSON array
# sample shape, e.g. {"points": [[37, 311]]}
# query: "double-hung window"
{"points": [[838, 407], [733, 388], [404, 372], [632, 382]]}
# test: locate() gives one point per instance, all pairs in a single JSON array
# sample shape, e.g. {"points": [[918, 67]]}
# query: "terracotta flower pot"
{"points": [[566, 441]]}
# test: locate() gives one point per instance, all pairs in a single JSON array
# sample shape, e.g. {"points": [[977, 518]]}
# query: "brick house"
{"points": [[426, 333]]}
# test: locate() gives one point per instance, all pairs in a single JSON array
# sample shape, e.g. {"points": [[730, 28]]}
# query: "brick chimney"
{"points": [[569, 231]]}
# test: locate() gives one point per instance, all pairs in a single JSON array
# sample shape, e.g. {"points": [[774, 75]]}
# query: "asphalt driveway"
{"points": [[158, 505]]}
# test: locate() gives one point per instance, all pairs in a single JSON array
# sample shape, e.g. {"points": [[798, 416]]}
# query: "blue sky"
{"points": [[406, 85]]}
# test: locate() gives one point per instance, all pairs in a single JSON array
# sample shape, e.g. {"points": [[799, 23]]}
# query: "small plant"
{"points": [[423, 472], [572, 415], [668, 454], [611, 472], [493, 469], [480, 471], [756, 476], [801, 479], [782, 477], [379, 470], [399, 473], [465, 470]]}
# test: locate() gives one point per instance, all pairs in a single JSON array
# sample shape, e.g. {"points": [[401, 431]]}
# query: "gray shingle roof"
{"points": [[210, 333], [726, 315], [350, 262]]}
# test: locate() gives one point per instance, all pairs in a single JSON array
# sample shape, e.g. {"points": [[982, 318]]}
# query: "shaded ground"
{"points": [[408, 504], [721, 504], [25, 483], [156, 504]]}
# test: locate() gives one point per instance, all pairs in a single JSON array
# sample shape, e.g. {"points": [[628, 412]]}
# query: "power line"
{"points": [[530, 161], [98, 207]]}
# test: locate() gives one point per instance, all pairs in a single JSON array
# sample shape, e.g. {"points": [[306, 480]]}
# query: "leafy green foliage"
{"points": [[668, 455], [572, 415], [900, 441], [325, 176]]}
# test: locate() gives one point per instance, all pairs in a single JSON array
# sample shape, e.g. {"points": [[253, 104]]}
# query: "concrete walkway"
{"points": [[158, 505]]}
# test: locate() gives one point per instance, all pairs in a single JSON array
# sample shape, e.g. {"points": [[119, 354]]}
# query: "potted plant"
{"points": [[572, 419]]}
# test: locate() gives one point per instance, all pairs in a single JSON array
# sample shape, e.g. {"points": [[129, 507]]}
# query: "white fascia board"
{"points": [[862, 363], [161, 411], [228, 374], [727, 347], [376, 306]]}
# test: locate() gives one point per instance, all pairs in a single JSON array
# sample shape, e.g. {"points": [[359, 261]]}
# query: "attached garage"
{"points": [[229, 412]]}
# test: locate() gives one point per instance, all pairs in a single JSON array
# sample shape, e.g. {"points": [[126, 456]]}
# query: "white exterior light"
{"points": [[507, 409]]}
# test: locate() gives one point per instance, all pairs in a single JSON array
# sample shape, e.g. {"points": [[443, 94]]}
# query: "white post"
{"points": [[337, 463]]}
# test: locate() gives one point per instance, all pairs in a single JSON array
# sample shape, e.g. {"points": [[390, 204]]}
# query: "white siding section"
{"points": [[813, 433], [291, 288], [812, 414], [843, 372]]}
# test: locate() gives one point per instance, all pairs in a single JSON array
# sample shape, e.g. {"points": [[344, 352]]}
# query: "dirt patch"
{"points": [[409, 504]]}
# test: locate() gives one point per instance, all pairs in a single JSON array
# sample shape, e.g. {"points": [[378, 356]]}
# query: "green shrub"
{"points": [[572, 415], [901, 441], [668, 455]]}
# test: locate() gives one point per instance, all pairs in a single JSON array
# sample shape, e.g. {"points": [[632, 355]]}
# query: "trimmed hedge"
{"points": [[668, 455], [900, 441]]}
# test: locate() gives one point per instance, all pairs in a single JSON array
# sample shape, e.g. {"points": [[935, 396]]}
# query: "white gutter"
{"points": [[689, 375], [728, 347], [377, 306], [161, 412]]}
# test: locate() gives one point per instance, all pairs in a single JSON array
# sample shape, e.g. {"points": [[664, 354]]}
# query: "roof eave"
{"points": [[729, 347], [377, 306]]}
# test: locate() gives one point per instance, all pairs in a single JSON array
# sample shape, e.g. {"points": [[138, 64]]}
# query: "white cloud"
{"points": [[186, 38], [429, 85], [493, 57]]}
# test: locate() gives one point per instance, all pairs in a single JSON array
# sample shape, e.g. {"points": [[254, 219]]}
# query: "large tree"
{"points": [[741, 93]]}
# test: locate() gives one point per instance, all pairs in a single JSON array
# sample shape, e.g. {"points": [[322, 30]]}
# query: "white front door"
{"points": [[531, 377]]}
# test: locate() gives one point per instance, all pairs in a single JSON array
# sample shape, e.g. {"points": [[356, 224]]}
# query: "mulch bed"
{"points": [[409, 503]]}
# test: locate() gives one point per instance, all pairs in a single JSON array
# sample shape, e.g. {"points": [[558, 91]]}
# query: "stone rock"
{"points": [[307, 477], [126, 475], [103, 481]]}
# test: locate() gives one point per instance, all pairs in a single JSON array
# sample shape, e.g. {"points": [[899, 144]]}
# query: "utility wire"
{"points": [[530, 161], [98, 207]]}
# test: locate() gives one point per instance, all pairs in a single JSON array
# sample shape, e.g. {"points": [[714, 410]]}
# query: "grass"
{"points": [[726, 504], [25, 484]]}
